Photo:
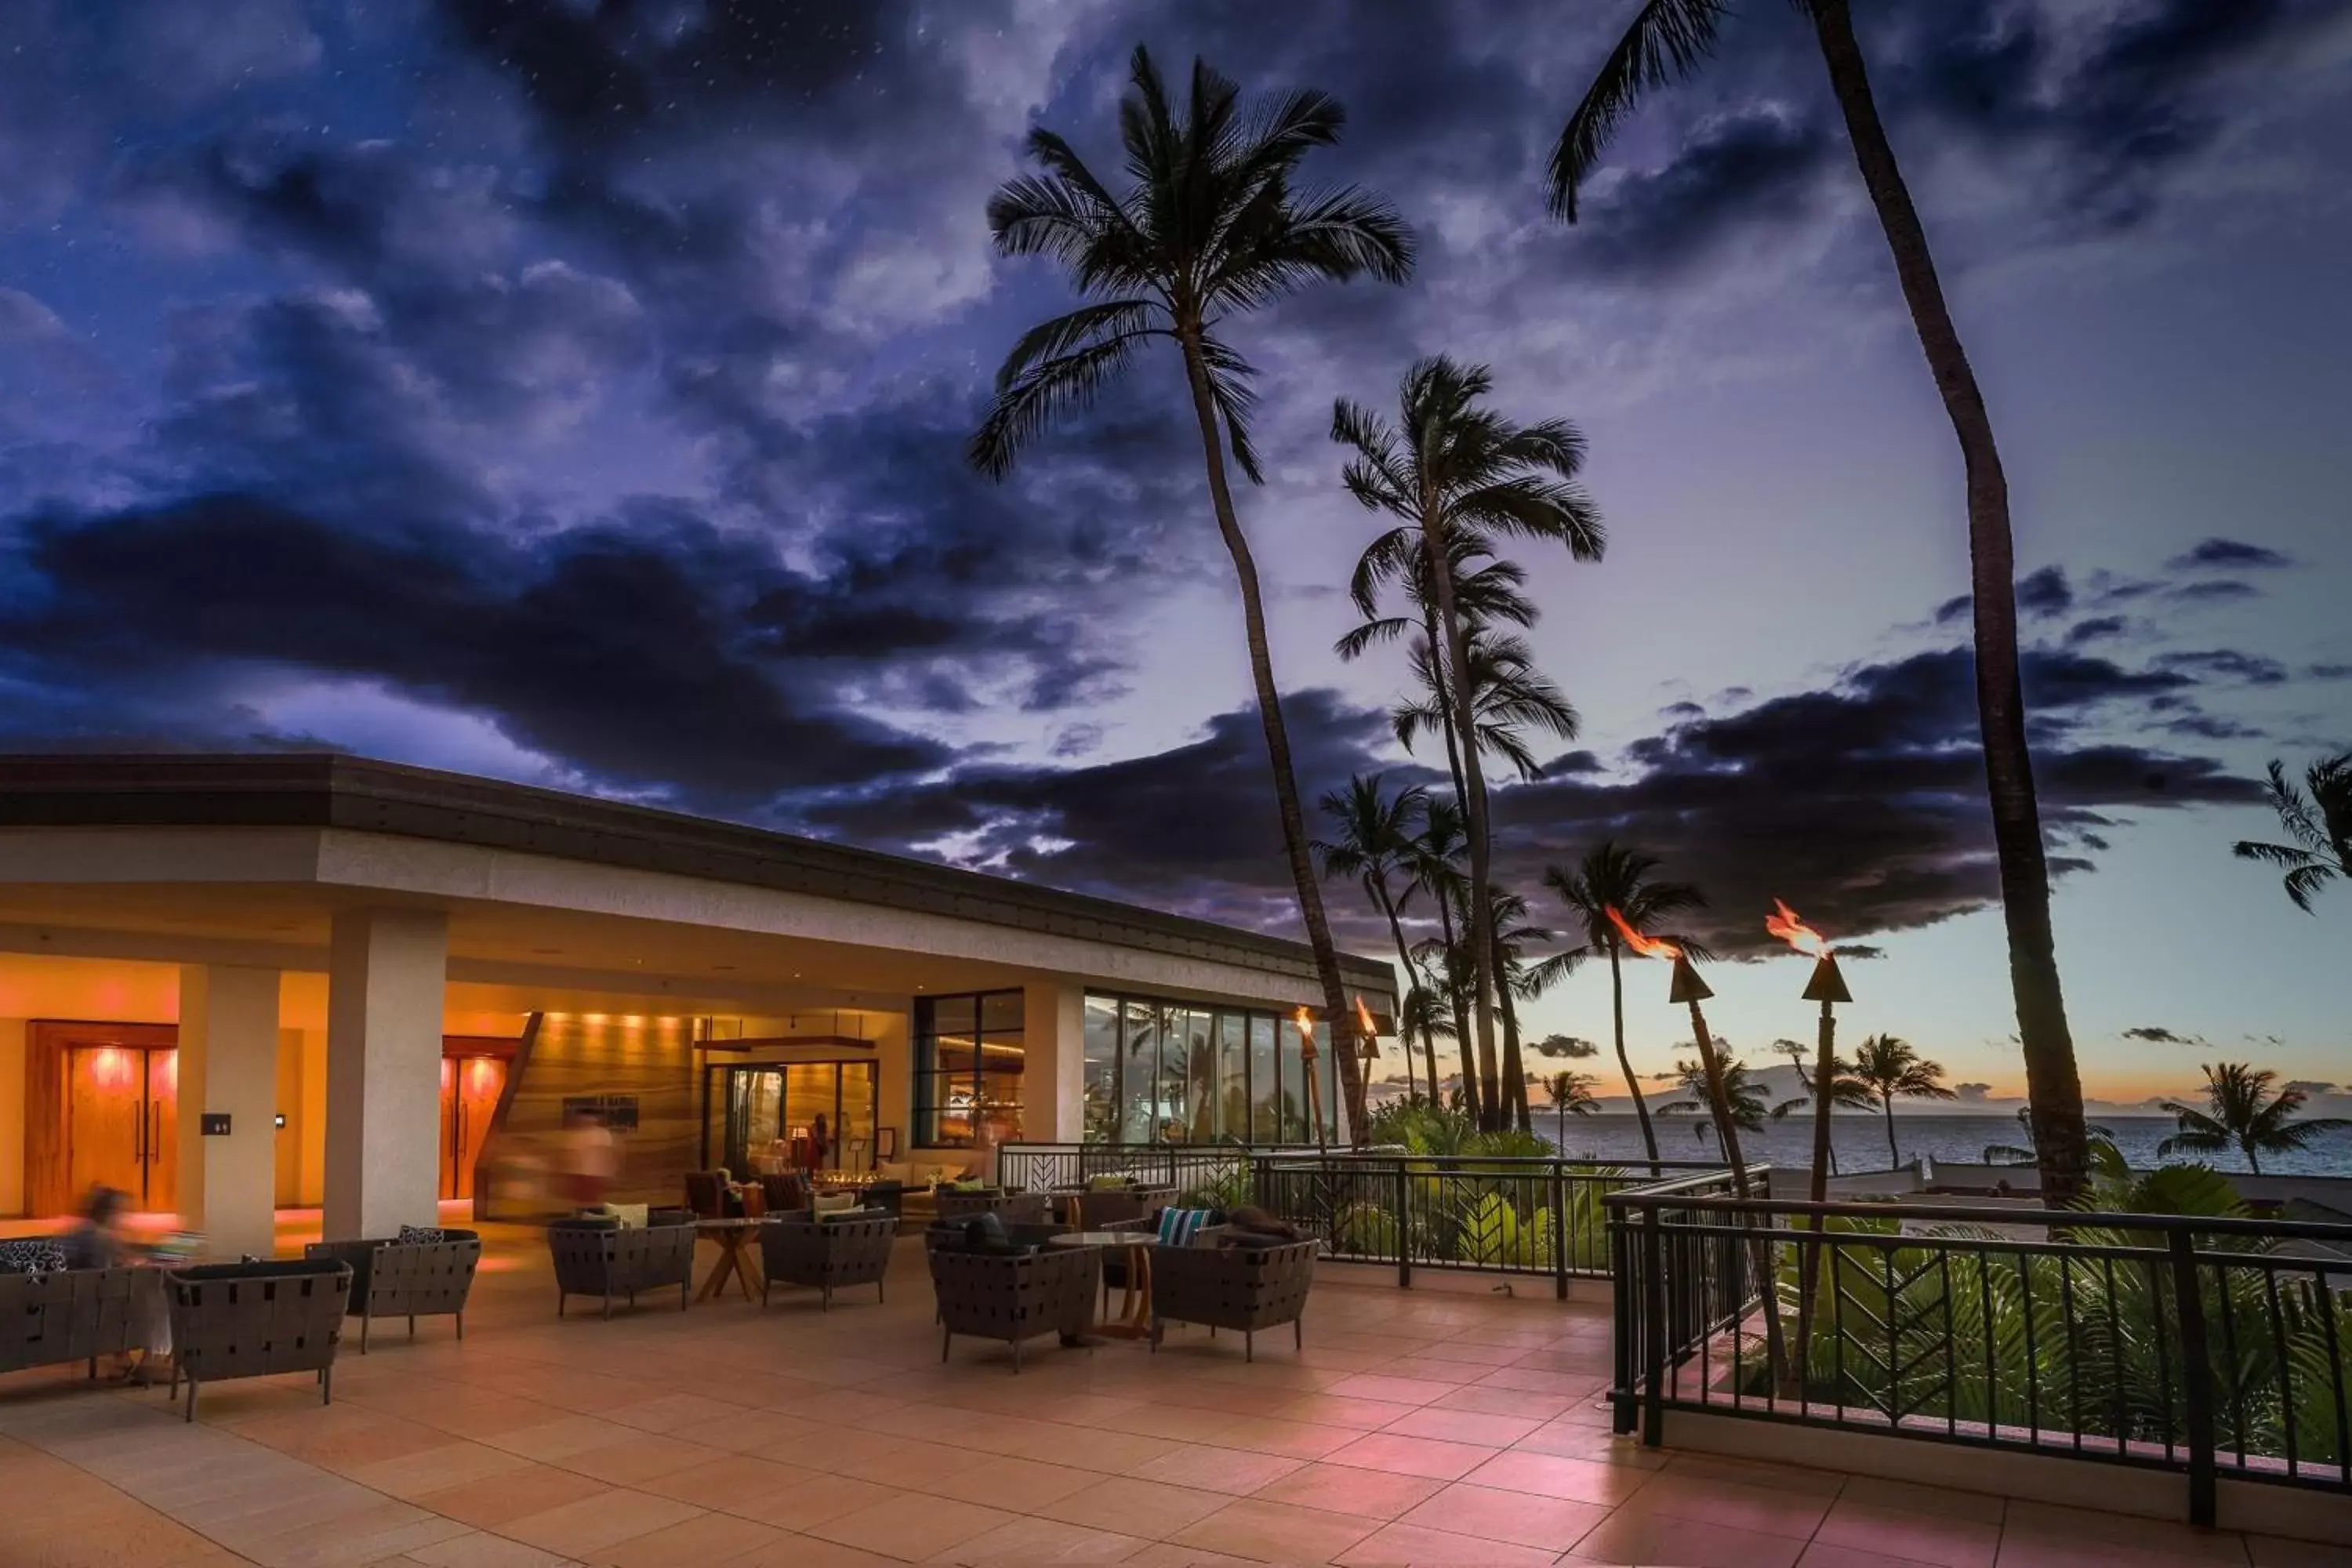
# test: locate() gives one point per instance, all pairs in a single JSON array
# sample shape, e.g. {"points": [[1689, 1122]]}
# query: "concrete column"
{"points": [[386, 973], [229, 1067], [1053, 1024]]}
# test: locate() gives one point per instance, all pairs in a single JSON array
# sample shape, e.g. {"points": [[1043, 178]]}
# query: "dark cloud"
{"points": [[1732, 171], [2229, 556], [1973, 1093], [2045, 592], [2227, 664], [1955, 609], [2220, 590], [1569, 1047], [2096, 629]]}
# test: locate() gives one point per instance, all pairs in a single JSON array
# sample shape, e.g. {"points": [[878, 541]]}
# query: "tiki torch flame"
{"points": [[1783, 923], [1305, 1019], [1364, 1019], [1647, 946]]}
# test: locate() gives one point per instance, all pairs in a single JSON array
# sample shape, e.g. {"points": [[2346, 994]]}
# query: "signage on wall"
{"points": [[214, 1125], [618, 1111]]}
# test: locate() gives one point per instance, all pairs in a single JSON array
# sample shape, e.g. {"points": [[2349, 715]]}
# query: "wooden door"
{"points": [[474, 1099], [163, 1194], [106, 1126]]}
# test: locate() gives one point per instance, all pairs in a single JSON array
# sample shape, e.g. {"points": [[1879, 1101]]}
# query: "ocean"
{"points": [[1861, 1140]]}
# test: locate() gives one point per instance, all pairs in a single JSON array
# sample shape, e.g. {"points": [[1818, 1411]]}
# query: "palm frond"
{"points": [[1668, 40]]}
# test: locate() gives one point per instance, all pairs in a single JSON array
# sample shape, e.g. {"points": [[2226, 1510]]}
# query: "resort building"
{"points": [[235, 984]]}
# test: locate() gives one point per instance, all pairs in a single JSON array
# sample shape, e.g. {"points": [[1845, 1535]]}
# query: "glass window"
{"points": [[969, 1057], [1101, 1084], [1266, 1080], [1233, 1078], [1139, 1070]]}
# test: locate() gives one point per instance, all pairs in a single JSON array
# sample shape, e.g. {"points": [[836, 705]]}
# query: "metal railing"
{"points": [[1493, 1215], [2208, 1347]]}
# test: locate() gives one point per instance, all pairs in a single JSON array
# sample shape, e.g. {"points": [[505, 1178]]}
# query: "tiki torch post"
{"points": [[1308, 1054], [1827, 987], [1687, 988]]}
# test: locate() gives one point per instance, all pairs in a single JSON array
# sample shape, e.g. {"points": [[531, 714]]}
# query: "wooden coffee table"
{"points": [[1134, 1318], [736, 1261]]}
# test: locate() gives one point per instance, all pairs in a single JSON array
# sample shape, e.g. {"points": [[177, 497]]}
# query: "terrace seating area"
{"points": [[1443, 1424]]}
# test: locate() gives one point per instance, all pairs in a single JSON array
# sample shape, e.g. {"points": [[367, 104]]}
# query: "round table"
{"points": [[734, 1237], [1134, 1320]]}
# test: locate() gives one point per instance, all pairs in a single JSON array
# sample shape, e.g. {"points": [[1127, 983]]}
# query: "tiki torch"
{"points": [[1827, 987], [1305, 1019], [1687, 988]]}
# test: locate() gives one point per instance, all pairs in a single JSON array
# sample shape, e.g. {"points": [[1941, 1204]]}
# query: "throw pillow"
{"points": [[419, 1235], [631, 1215], [1179, 1226], [32, 1255], [833, 1202], [967, 1184], [1113, 1182]]}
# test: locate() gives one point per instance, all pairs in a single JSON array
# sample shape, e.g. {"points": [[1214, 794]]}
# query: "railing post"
{"points": [[2196, 1377], [1653, 1329], [1623, 1304], [1559, 1230], [1403, 1228]]}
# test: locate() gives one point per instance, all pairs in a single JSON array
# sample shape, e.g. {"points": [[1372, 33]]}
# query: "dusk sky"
{"points": [[575, 391]]}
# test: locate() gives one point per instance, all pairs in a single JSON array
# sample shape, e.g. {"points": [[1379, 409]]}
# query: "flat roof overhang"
{"points": [[257, 798]]}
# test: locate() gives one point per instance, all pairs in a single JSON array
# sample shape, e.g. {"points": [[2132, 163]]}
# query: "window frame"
{"points": [[933, 1085]]}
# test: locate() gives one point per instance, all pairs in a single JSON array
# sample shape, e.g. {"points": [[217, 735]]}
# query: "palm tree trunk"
{"points": [[1470, 1091], [1624, 1062], [2253, 1160], [2053, 1083], [1893, 1154], [1489, 1089], [1404, 957], [1473, 809], [1278, 738], [1514, 1071]]}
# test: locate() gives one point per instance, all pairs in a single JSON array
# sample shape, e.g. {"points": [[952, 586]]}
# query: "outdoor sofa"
{"points": [[257, 1319], [417, 1274], [74, 1314]]}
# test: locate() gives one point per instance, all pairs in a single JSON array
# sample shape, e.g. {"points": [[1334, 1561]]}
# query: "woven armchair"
{"points": [[784, 1191], [406, 1279], [1243, 1287], [711, 1195], [256, 1319], [74, 1314], [828, 1254], [1013, 1295], [1013, 1208], [597, 1257]]}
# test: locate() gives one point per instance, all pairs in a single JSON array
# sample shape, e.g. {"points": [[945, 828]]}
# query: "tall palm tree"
{"points": [[1570, 1094], [2022, 1153], [1208, 227], [1892, 1069], [1373, 842], [1626, 878], [2242, 1114], [2320, 825], [1423, 1012], [1667, 41], [1437, 869], [1846, 1092], [1450, 469], [1509, 696], [1513, 935]]}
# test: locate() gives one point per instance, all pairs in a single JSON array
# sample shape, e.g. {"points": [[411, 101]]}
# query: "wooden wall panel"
{"points": [[652, 1058]]}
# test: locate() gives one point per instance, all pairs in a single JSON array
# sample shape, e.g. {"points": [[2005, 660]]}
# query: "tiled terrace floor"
{"points": [[1422, 1427]]}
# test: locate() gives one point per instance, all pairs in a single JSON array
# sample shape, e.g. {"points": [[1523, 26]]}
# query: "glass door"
{"points": [[791, 1116]]}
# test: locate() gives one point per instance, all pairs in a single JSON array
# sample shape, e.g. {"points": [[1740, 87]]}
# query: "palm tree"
{"points": [[1513, 936], [1437, 855], [2242, 1114], [1744, 1099], [2321, 826], [1422, 1011], [1449, 469], [2101, 1138], [1610, 875], [1667, 41], [1208, 229], [1373, 842], [1891, 1068], [1509, 696], [1846, 1092], [1570, 1094]]}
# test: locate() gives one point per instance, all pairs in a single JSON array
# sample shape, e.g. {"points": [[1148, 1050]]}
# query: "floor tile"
{"points": [[1413, 1544], [1430, 1456], [1523, 1519], [1932, 1538], [1276, 1532], [612, 1515], [1153, 1509], [1046, 1541], [1344, 1489], [912, 1527], [1239, 1471], [1653, 1538], [1548, 1475]]}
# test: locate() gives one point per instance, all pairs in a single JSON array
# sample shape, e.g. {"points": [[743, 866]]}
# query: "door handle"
{"points": [[139, 1140]]}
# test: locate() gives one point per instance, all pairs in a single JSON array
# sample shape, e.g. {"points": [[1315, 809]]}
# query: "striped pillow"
{"points": [[1179, 1226]]}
